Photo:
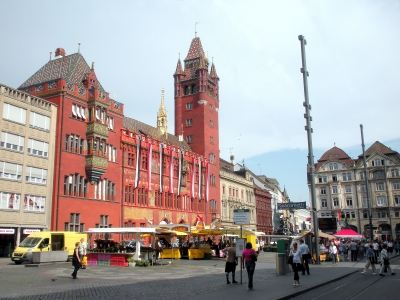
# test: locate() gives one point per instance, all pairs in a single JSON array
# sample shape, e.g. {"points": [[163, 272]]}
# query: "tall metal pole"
{"points": [[309, 130], [366, 184], [388, 200]]}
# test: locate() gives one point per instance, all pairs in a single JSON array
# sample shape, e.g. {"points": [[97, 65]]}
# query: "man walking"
{"points": [[305, 255], [231, 263], [353, 248], [371, 261], [82, 251], [385, 261]]}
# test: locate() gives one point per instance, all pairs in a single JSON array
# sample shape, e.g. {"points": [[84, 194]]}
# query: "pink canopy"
{"points": [[348, 233]]}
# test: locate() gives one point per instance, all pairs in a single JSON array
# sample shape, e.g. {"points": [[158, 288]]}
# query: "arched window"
{"points": [[186, 90], [193, 89]]}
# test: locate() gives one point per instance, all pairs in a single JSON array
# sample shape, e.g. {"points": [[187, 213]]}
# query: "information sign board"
{"points": [[241, 216], [240, 243]]}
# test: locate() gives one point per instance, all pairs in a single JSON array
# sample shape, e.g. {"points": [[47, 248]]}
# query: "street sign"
{"points": [[292, 205], [241, 216]]}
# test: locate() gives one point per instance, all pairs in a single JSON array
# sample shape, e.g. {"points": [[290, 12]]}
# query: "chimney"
{"points": [[232, 159]]}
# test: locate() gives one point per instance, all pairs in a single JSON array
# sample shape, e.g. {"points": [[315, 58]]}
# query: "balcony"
{"points": [[99, 129], [95, 166]]}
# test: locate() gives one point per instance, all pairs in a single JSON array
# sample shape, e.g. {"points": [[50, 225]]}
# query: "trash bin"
{"points": [[281, 264]]}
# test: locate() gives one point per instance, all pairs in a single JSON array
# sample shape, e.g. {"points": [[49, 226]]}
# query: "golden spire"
{"points": [[162, 121]]}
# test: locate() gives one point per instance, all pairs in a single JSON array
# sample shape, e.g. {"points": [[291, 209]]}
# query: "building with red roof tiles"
{"points": [[165, 178], [341, 190], [86, 185]]}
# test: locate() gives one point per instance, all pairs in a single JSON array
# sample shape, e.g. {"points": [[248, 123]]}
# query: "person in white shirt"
{"points": [[376, 249], [296, 265], [305, 255], [385, 260], [390, 248], [333, 252]]}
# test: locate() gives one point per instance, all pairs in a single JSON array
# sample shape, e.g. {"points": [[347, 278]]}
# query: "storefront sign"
{"points": [[7, 231], [29, 231]]}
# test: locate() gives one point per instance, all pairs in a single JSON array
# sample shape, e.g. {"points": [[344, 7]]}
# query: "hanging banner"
{"points": [[138, 141], [193, 175], [180, 153], [161, 167], [207, 179], [200, 178], [171, 170], [149, 161]]}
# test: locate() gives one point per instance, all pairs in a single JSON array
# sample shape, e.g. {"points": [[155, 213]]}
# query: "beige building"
{"points": [[26, 165], [341, 190], [237, 192]]}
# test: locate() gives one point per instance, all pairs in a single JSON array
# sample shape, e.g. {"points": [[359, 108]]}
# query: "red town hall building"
{"points": [[114, 171]]}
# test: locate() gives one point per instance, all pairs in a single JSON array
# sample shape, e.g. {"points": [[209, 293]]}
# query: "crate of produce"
{"points": [[92, 262], [103, 262]]}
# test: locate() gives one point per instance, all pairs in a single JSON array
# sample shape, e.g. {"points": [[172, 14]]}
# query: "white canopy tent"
{"points": [[127, 230]]}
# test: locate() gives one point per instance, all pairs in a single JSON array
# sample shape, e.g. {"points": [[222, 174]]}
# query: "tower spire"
{"points": [[162, 121], [195, 32]]}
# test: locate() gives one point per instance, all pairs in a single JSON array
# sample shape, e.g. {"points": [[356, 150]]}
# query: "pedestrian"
{"points": [[385, 261], [371, 261], [376, 249], [231, 263], [248, 255], [296, 265], [305, 256], [332, 252], [353, 249], [82, 251], [397, 246], [76, 262], [344, 251], [390, 248]]}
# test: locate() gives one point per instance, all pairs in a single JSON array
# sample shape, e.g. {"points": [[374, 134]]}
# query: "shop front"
{"points": [[8, 237]]}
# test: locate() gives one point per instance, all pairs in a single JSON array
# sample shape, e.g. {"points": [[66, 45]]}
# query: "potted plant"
{"points": [[143, 263], [131, 262]]}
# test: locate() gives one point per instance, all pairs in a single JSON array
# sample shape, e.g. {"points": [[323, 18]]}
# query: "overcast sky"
{"points": [[353, 57]]}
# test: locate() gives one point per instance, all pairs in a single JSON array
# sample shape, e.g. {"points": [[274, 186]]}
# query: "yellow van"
{"points": [[46, 241]]}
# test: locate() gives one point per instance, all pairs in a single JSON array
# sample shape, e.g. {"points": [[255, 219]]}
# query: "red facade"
{"points": [[263, 210], [103, 178], [87, 180], [196, 114]]}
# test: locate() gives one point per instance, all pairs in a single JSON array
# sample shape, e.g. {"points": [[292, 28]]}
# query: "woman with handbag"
{"points": [[295, 254], [76, 262], [249, 258]]}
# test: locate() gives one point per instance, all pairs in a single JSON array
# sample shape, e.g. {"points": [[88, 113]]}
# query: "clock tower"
{"points": [[196, 115]]}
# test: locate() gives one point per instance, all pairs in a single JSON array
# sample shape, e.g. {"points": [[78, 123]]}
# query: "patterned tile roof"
{"points": [[72, 68], [195, 50], [178, 70], [137, 126], [213, 72]]}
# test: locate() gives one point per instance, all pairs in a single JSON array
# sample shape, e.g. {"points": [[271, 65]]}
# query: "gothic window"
{"points": [[144, 160], [193, 89], [186, 90]]}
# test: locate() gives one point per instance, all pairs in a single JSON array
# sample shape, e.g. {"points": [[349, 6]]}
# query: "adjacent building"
{"points": [[341, 190], [27, 155]]}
